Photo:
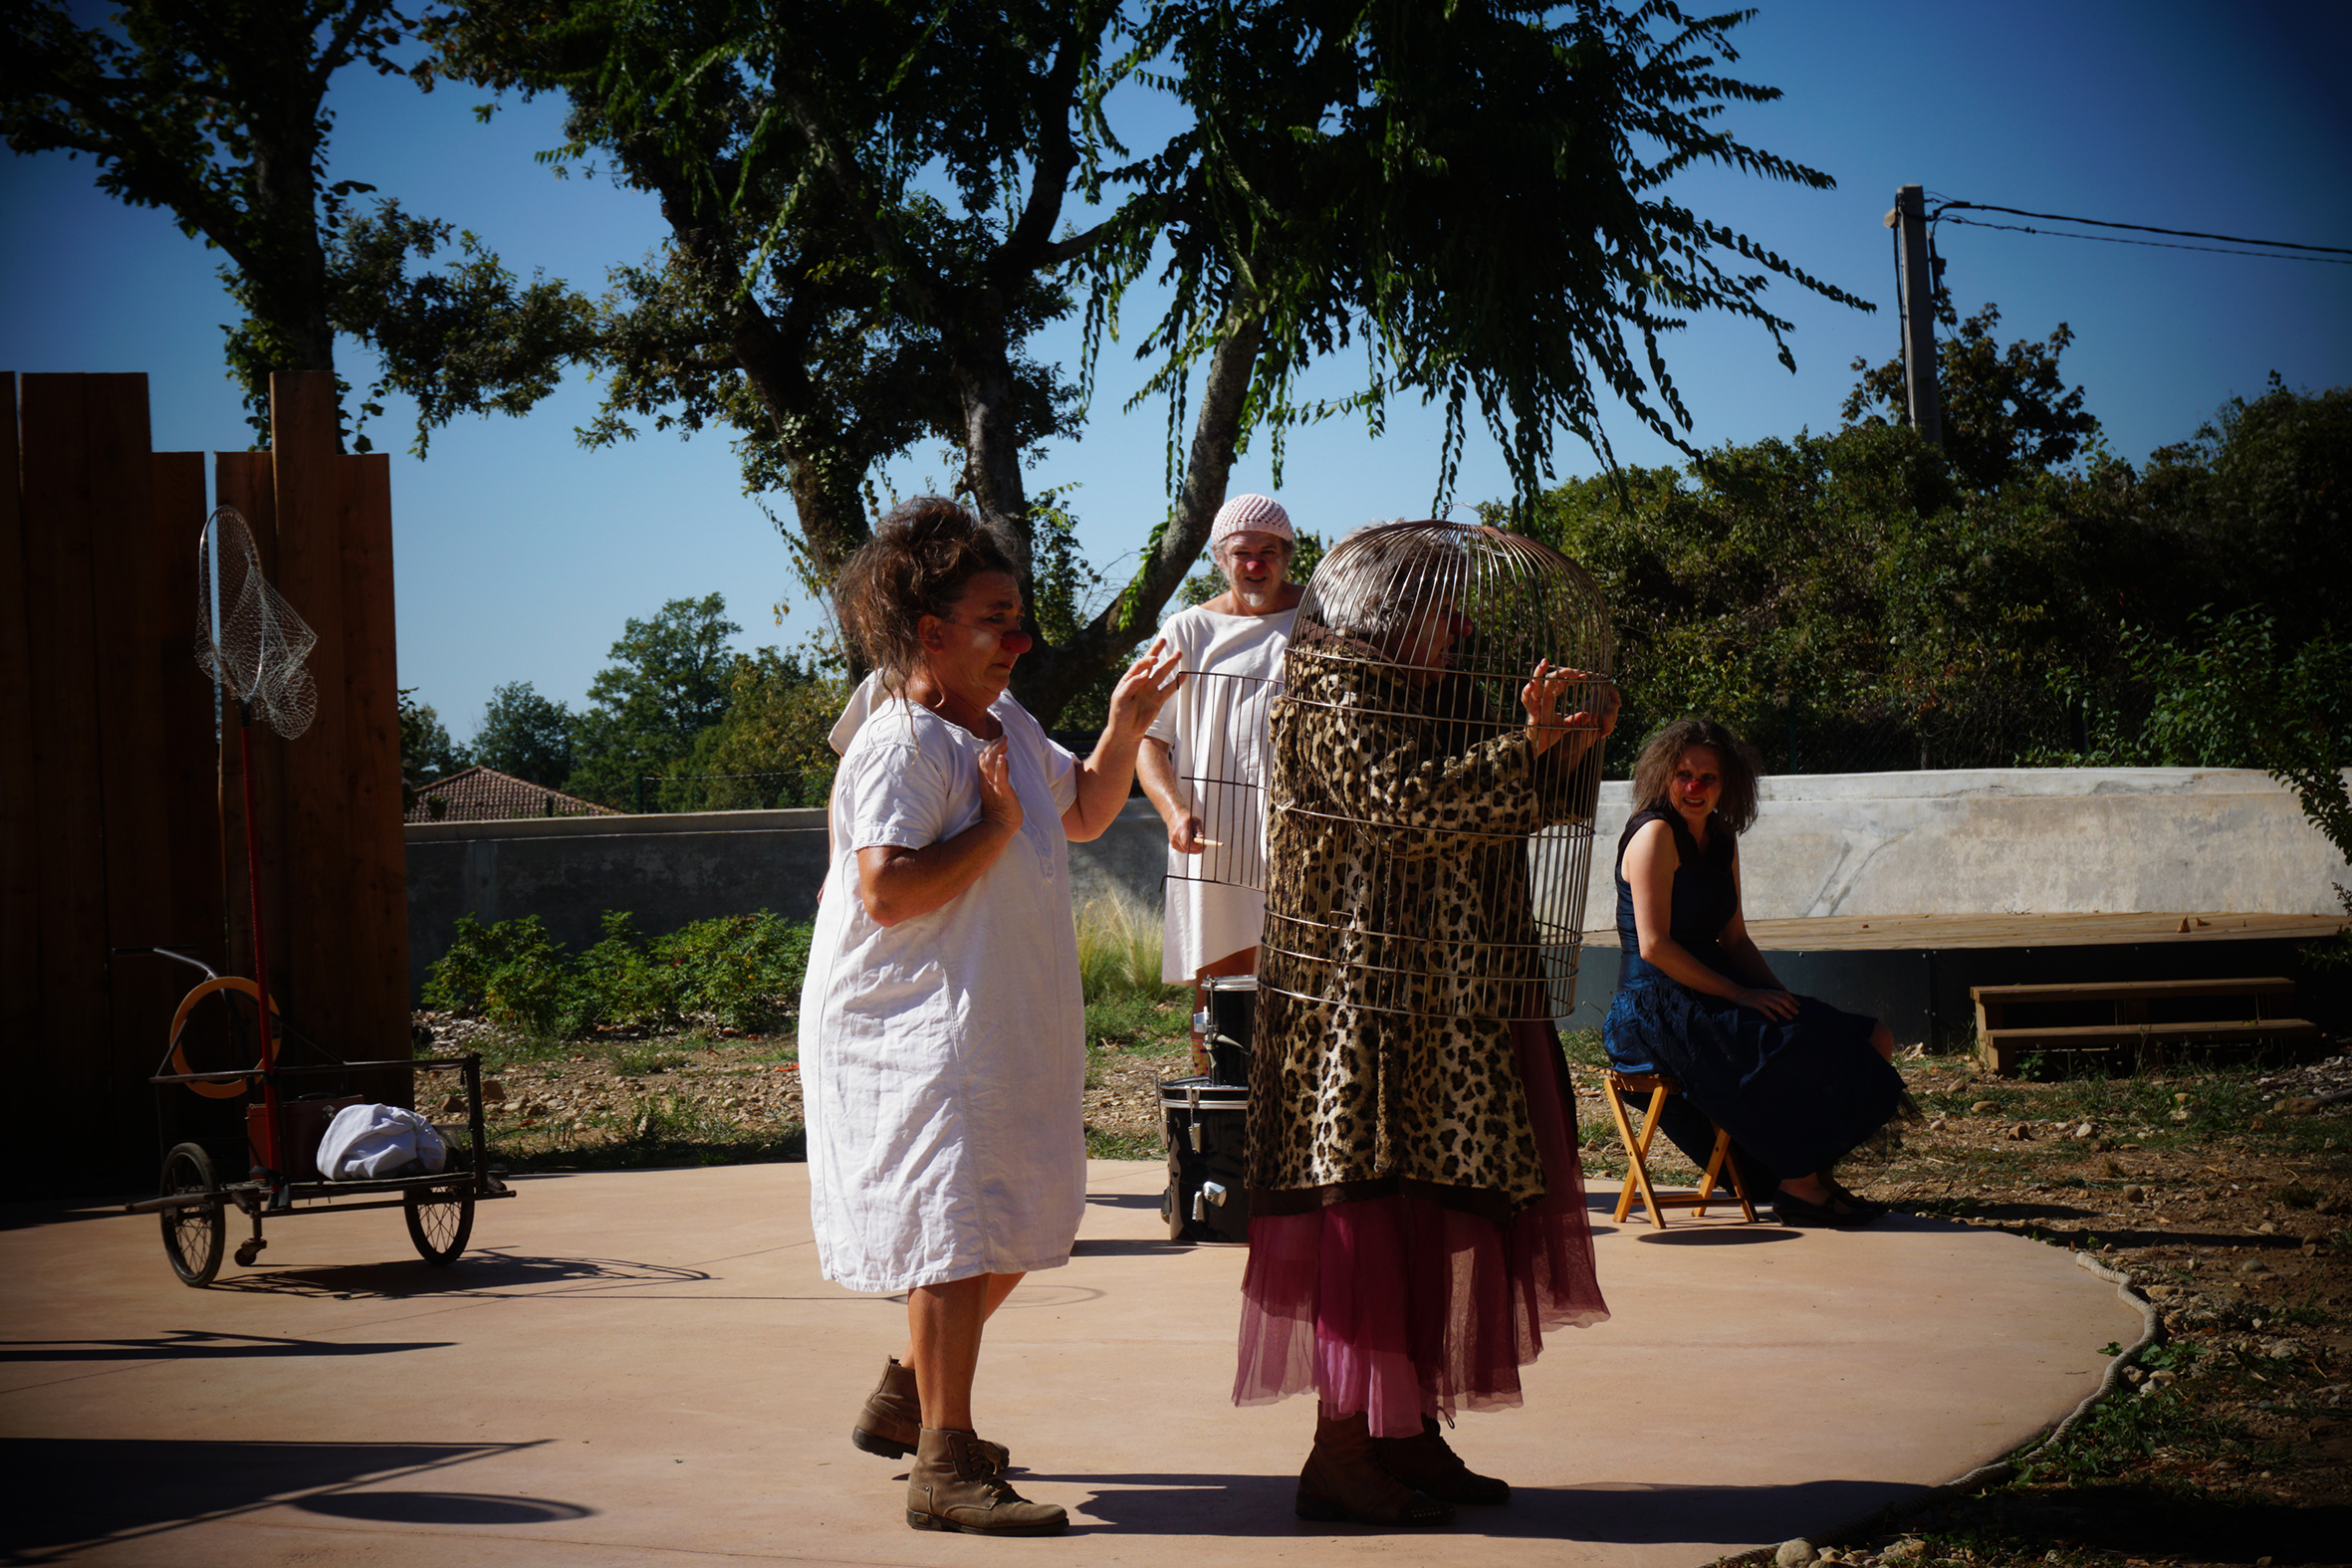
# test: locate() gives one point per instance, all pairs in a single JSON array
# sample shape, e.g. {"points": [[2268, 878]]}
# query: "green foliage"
{"points": [[427, 752], [2006, 415], [468, 338], [1119, 951], [737, 971], [668, 682], [1472, 192], [769, 749], [511, 973], [743, 972], [526, 735]]}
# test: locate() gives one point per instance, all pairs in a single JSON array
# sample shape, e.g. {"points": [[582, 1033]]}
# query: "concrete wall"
{"points": [[2011, 841], [671, 870], [2014, 841]]}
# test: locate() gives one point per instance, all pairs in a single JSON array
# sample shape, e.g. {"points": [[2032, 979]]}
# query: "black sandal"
{"points": [[1855, 1201], [1795, 1211]]}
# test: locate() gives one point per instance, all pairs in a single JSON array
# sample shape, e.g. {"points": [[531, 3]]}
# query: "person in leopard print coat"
{"points": [[1417, 1211]]}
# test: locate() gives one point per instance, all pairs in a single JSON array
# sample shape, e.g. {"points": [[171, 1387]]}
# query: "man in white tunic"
{"points": [[1203, 760]]}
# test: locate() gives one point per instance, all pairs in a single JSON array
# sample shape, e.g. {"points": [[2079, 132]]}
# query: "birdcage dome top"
{"points": [[1465, 598]]}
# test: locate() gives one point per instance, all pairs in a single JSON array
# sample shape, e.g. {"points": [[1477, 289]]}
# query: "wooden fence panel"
{"points": [[306, 946], [68, 1078], [20, 814], [242, 480], [127, 597], [373, 961], [121, 783], [190, 718]]}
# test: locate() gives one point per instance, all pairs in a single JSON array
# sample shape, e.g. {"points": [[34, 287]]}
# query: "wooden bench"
{"points": [[2002, 1046]]}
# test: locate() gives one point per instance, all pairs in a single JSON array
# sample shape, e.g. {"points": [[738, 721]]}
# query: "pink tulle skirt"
{"points": [[1400, 1307]]}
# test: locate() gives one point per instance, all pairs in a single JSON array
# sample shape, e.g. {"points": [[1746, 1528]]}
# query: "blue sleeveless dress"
{"points": [[1796, 1096]]}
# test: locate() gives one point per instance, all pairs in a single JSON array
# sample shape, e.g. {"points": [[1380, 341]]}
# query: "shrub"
{"points": [[742, 972], [511, 973]]}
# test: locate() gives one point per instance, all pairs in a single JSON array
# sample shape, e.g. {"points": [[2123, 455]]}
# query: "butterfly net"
{"points": [[248, 637]]}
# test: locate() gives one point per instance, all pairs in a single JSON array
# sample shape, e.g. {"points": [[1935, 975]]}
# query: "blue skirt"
{"points": [[1797, 1095]]}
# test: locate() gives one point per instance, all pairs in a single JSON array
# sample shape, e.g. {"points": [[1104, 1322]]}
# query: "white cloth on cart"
{"points": [[943, 1058], [1215, 727], [366, 1142]]}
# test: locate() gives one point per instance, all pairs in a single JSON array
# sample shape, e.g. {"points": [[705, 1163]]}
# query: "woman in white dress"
{"points": [[943, 1034], [1203, 763]]}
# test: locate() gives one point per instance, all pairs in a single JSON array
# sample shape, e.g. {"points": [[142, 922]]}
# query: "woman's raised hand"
{"points": [[1771, 1004], [1541, 695], [998, 803], [1148, 684]]}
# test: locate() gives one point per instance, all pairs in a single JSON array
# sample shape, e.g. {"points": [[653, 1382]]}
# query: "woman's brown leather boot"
{"points": [[1344, 1481], [1427, 1463], [892, 1424], [955, 1486]]}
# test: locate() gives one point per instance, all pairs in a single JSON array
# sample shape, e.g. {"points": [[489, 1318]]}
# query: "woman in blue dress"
{"points": [[1797, 1083]]}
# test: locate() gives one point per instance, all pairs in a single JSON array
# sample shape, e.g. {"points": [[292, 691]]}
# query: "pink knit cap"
{"points": [[1251, 515]]}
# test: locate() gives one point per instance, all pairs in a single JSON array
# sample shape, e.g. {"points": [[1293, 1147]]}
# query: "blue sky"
{"points": [[518, 554]]}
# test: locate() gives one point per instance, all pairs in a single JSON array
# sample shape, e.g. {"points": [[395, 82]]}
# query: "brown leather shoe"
{"points": [[955, 1486], [1344, 1481], [1428, 1464], [892, 1421]]}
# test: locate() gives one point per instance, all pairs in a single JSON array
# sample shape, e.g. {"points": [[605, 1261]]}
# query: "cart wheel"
{"points": [[439, 1220], [192, 1236]]}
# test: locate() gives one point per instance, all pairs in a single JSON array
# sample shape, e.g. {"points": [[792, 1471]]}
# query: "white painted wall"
{"points": [[2043, 841]]}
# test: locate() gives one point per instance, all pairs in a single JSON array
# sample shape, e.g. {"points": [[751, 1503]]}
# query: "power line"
{"points": [[2117, 239], [2143, 228]]}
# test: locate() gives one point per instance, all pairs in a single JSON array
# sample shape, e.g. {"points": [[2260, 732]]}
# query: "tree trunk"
{"points": [[1047, 679]]}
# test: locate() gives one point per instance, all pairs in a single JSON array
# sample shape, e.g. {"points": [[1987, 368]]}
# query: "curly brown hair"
{"points": [[1653, 771], [917, 564]]}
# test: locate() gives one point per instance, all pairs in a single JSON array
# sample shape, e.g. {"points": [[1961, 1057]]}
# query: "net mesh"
{"points": [[248, 637], [1424, 857]]}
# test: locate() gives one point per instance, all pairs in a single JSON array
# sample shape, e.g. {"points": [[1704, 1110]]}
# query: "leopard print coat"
{"points": [[1398, 942]]}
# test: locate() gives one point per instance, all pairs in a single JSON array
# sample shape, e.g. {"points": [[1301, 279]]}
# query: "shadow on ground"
{"points": [[1257, 1505], [78, 1491]]}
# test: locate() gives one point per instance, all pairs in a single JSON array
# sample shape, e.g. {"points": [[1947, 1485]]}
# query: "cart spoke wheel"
{"points": [[439, 1220], [192, 1236]]}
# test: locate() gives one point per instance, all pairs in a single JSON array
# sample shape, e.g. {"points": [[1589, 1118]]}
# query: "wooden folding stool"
{"points": [[1637, 1152]]}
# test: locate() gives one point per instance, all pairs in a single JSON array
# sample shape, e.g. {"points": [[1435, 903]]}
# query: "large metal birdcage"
{"points": [[1425, 855]]}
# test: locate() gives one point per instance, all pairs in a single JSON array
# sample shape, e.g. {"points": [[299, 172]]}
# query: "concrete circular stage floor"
{"points": [[644, 1367]]}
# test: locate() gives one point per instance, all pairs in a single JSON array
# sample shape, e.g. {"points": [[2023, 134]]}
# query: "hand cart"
{"points": [[287, 1106]]}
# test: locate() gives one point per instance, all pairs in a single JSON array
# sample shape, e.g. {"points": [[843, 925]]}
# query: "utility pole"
{"points": [[1910, 218]]}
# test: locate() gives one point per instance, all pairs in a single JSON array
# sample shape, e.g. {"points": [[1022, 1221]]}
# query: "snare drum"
{"points": [[1233, 1019], [1207, 1128]]}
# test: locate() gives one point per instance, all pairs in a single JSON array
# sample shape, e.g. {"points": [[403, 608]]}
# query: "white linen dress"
{"points": [[943, 1059], [1215, 727]]}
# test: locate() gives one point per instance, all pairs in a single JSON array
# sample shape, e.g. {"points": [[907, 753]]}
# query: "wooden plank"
{"points": [[68, 1074], [2145, 990], [242, 480], [128, 593], [21, 1043], [373, 965], [1926, 933], [306, 946], [189, 716], [2003, 1050], [2153, 991]]}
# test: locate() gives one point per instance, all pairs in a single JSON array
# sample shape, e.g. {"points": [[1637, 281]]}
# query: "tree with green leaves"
{"points": [[427, 752], [216, 111], [2007, 412], [526, 735], [873, 205], [667, 684]]}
